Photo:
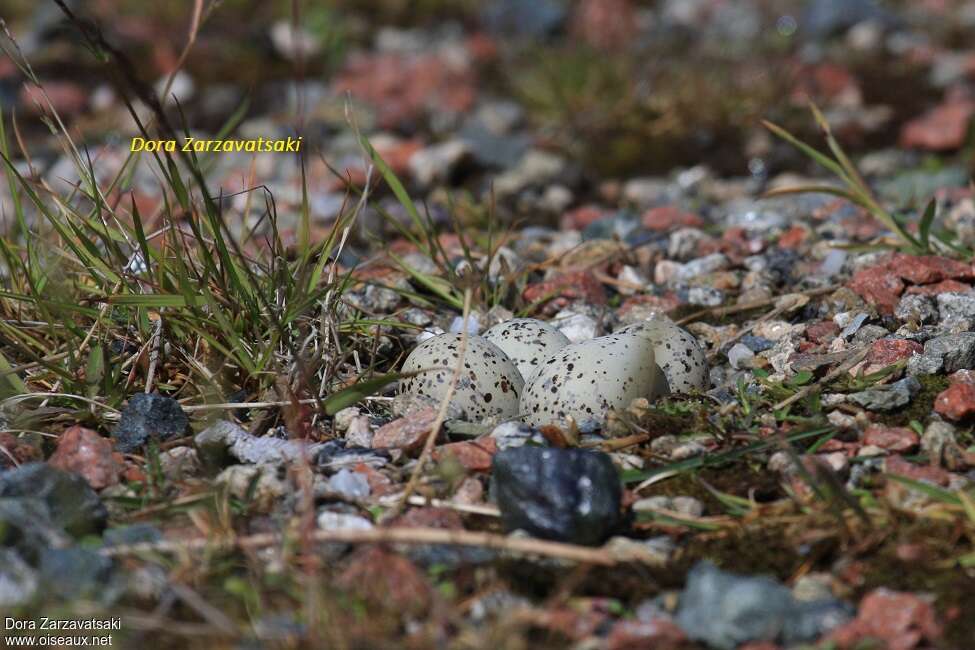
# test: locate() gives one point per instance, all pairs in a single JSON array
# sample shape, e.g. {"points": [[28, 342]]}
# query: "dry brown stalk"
{"points": [[378, 536]]}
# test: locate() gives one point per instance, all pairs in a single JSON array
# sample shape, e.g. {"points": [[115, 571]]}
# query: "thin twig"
{"points": [[10, 456], [27, 396], [617, 444], [154, 353], [485, 510], [195, 20], [208, 612], [781, 306], [746, 306], [33, 364], [227, 406], [833, 374], [397, 535]]}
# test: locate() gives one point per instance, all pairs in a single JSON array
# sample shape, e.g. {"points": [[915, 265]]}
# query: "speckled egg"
{"points": [[489, 386], [527, 341], [678, 354], [582, 381]]}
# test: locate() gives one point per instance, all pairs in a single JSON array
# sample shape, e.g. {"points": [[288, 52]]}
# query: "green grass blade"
{"points": [[938, 494], [813, 153], [359, 391], [636, 476], [154, 300], [924, 226], [393, 181]]}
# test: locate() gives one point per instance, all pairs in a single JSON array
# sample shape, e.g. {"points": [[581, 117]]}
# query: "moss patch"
{"points": [[743, 481], [755, 549], [921, 407]]}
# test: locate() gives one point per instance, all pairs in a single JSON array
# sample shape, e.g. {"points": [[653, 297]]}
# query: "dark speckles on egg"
{"points": [[566, 386], [527, 342], [677, 352], [485, 367]]}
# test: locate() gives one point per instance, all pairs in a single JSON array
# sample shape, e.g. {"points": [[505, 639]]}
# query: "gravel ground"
{"points": [[545, 339]]}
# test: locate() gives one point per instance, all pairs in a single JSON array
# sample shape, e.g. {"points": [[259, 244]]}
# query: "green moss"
{"points": [[763, 548], [743, 480], [919, 408]]}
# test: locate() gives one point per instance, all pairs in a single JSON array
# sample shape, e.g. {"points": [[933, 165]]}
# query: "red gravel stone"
{"points": [[806, 346], [397, 154], [581, 217], [910, 552], [884, 352], [82, 451], [561, 290], [793, 237], [637, 635], [942, 128], [899, 439], [379, 483], [378, 273], [929, 473], [429, 518], [403, 87], [878, 286], [387, 579], [473, 455], [862, 227], [834, 445], [963, 376], [604, 24], [406, 433], [573, 623], [482, 47], [470, 492], [670, 217], [957, 402], [946, 286], [736, 245], [824, 82], [822, 332], [66, 97], [899, 620], [20, 451], [925, 269], [665, 303]]}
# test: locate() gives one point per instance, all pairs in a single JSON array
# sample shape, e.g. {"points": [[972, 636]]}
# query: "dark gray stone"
{"points": [[18, 581], [922, 364], [888, 398], [570, 495], [491, 149], [531, 19], [725, 610], [69, 500], [149, 416], [956, 351], [26, 526], [868, 334], [916, 307], [618, 224], [132, 534], [77, 572], [957, 310], [757, 343], [823, 18]]}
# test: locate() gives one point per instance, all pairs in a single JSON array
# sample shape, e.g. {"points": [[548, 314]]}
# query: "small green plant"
{"points": [[855, 190], [448, 284]]}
